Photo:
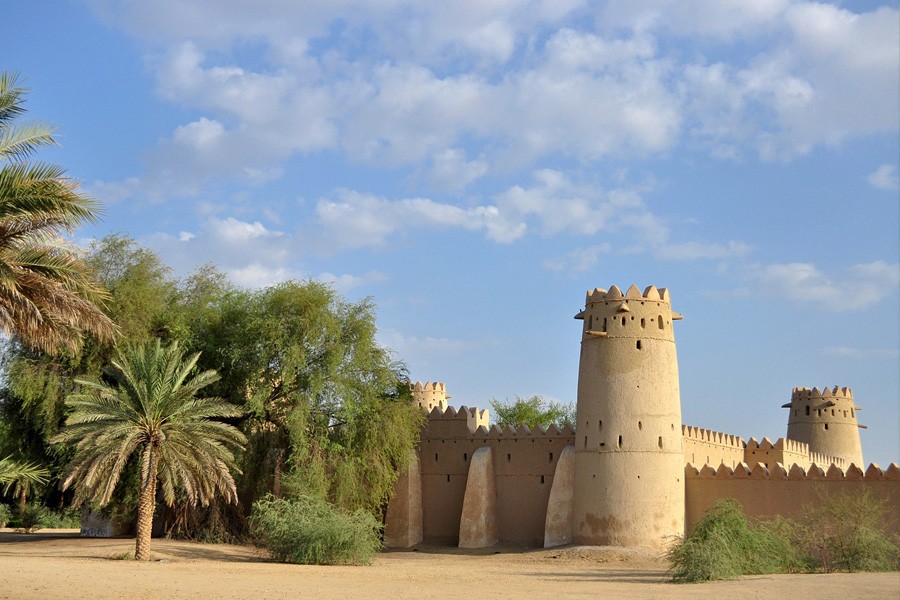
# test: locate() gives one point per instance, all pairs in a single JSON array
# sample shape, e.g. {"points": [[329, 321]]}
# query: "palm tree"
{"points": [[20, 475], [47, 296], [151, 409]]}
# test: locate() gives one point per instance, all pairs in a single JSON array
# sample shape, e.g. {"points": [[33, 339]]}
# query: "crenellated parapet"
{"points": [[454, 422], [637, 315], [430, 395], [778, 471], [705, 446]]}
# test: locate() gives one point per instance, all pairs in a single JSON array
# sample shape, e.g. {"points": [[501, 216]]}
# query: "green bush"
{"points": [[724, 546], [61, 519], [843, 532], [309, 530], [29, 518], [5, 514], [848, 533]]}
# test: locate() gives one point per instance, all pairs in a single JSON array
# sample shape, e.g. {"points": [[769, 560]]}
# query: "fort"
{"points": [[628, 472]]}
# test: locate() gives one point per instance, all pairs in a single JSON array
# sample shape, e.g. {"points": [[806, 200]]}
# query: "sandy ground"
{"points": [[58, 564]]}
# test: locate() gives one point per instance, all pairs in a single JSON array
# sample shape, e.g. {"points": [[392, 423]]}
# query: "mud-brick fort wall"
{"points": [[523, 464], [472, 485], [769, 492]]}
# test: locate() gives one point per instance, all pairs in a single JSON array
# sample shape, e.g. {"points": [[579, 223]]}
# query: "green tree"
{"points": [[532, 412], [152, 409], [144, 302], [47, 296], [329, 412], [18, 476]]}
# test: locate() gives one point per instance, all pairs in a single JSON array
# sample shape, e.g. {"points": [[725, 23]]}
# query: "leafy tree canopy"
{"points": [[531, 412]]}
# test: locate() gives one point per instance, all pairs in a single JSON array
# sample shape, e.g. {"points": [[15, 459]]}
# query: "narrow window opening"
{"points": [[551, 457], [845, 414], [623, 321], [638, 344], [435, 457], [659, 322], [448, 479], [465, 456], [542, 480], [832, 412], [852, 413], [620, 442], [807, 410], [659, 443], [604, 323], [508, 457], [693, 458], [826, 426], [640, 426], [600, 426], [643, 322], [673, 426], [585, 441], [590, 322]]}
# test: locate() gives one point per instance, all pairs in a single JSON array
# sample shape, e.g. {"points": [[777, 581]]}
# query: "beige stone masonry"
{"points": [[769, 494], [403, 520], [558, 525], [479, 526]]}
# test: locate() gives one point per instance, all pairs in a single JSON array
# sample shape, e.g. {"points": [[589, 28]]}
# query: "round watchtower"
{"points": [[826, 420], [629, 463], [430, 395]]}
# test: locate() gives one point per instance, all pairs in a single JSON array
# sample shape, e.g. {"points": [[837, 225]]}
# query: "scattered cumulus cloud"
{"points": [[857, 287], [859, 353], [456, 93], [884, 178]]}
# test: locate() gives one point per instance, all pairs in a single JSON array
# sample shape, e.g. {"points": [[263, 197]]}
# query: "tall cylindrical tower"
{"points": [[826, 420], [629, 464]]}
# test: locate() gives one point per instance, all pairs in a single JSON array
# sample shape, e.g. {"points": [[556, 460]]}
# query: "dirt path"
{"points": [[53, 565]]}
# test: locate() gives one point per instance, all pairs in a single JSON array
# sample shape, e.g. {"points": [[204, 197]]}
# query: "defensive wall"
{"points": [[429, 501], [769, 492], [623, 475]]}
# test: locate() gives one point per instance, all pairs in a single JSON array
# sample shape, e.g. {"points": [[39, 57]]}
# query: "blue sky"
{"points": [[476, 166]]}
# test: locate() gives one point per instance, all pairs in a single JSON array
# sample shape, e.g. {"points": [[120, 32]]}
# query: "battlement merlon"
{"points": [[602, 307]]}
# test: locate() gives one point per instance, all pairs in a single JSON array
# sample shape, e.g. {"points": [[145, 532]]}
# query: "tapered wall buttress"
{"points": [[629, 462]]}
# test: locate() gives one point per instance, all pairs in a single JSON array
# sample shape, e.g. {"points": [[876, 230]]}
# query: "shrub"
{"points": [[29, 518], [847, 532], [309, 530], [723, 546], [5, 514], [61, 519]]}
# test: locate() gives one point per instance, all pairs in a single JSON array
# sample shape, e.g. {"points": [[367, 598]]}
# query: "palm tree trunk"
{"points": [[146, 503]]}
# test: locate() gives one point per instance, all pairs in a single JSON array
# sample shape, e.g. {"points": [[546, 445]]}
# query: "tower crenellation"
{"points": [[430, 395], [826, 420]]}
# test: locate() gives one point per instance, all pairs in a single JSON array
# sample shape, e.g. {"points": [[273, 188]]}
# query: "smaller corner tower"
{"points": [[430, 395], [826, 421]]}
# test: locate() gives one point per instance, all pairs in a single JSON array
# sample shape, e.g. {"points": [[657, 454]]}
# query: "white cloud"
{"points": [[857, 287], [348, 282], [459, 91], [578, 260], [248, 252], [423, 351], [701, 250], [552, 205], [860, 353], [884, 178]]}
